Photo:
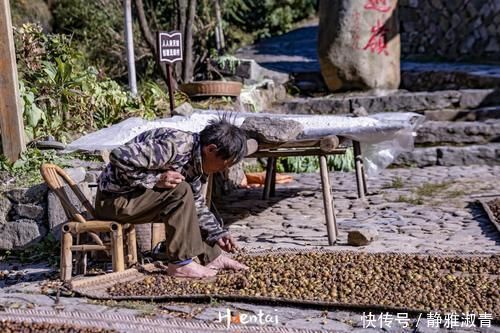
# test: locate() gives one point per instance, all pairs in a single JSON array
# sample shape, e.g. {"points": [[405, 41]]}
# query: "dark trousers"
{"points": [[174, 207]]}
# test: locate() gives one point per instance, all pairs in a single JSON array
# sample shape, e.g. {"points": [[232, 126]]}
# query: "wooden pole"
{"points": [[129, 40], [117, 247], [132, 245], [331, 223], [360, 174], [66, 256], [219, 31], [11, 120], [170, 84], [157, 234]]}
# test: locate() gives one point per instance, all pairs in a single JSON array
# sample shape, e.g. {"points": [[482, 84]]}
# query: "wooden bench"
{"points": [[321, 147]]}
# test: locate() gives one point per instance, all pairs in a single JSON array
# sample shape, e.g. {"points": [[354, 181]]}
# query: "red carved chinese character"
{"points": [[377, 42], [379, 5]]}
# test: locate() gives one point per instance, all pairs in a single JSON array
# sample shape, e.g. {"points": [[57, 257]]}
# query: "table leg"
{"points": [[269, 178], [331, 222], [273, 179], [360, 170]]}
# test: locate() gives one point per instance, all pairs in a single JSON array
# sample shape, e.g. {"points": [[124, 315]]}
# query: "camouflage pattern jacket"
{"points": [[140, 162]]}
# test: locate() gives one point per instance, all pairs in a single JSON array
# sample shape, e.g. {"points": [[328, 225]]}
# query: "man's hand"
{"points": [[227, 243], [169, 179]]}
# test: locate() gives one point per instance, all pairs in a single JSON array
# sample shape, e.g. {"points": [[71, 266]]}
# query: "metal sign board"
{"points": [[170, 46]]}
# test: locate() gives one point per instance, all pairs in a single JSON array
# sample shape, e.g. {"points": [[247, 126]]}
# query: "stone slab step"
{"points": [[479, 114], [488, 154], [458, 132], [402, 101]]}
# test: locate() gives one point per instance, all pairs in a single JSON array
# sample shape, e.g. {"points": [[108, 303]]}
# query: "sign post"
{"points": [[11, 120], [169, 46]]}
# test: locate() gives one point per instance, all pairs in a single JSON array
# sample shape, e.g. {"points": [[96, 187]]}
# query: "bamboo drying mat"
{"points": [[486, 207], [97, 287]]}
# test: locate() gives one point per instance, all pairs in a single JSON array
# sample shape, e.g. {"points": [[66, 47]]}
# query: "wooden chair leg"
{"points": [[331, 221], [157, 234], [117, 247], [132, 245], [66, 256]]}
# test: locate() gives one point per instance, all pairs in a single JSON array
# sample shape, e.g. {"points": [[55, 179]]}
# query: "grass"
{"points": [[396, 182], [421, 194], [410, 200], [429, 189]]}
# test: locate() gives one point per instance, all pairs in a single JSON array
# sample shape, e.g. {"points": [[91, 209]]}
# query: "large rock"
{"points": [[359, 44], [34, 194], [20, 233], [272, 130]]}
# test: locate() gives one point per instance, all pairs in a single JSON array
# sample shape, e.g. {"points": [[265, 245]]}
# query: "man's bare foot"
{"points": [[192, 270], [223, 262]]}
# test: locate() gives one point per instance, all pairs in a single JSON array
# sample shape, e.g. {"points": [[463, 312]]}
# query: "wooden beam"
{"points": [[11, 120]]}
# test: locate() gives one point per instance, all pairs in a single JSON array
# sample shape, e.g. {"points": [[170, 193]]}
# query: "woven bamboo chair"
{"points": [[56, 178]]}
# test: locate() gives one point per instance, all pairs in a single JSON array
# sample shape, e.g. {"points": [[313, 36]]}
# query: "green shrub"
{"points": [[265, 18], [65, 98]]}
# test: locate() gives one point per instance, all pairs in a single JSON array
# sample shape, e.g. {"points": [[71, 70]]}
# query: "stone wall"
{"points": [[450, 29], [28, 214]]}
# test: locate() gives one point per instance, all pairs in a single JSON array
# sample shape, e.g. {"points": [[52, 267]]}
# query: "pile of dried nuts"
{"points": [[495, 208], [8, 326], [415, 282]]}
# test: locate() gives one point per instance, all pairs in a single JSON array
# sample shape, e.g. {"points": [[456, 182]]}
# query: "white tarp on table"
{"points": [[383, 136]]}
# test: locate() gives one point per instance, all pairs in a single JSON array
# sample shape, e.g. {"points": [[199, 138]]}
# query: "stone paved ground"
{"points": [[418, 210], [414, 210]]}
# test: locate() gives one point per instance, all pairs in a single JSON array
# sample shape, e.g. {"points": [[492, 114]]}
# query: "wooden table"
{"points": [[321, 147]]}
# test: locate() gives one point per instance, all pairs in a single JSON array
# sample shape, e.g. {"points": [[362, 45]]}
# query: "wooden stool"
{"points": [[309, 147], [57, 179]]}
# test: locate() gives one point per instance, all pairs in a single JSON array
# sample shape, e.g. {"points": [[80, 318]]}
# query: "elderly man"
{"points": [[158, 176]]}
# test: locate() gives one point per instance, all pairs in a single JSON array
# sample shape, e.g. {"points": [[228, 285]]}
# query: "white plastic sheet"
{"points": [[383, 136]]}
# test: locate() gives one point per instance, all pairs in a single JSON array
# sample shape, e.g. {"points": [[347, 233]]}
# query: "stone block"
{"points": [[77, 174], [272, 130], [185, 110], [5, 207], [30, 211], [419, 157], [20, 233], [362, 236], [34, 194]]}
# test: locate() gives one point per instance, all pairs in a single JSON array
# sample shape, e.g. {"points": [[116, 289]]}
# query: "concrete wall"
{"points": [[450, 29]]}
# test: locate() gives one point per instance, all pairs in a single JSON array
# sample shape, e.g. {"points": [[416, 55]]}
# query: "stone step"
{"points": [[479, 114], [488, 154], [458, 132], [402, 101], [418, 78]]}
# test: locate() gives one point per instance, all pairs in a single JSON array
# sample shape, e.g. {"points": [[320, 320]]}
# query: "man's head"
{"points": [[222, 145]]}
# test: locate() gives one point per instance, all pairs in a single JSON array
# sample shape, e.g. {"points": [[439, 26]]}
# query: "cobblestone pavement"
{"points": [[414, 210], [418, 210]]}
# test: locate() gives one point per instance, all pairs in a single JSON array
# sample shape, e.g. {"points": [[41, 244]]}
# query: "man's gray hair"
{"points": [[231, 141]]}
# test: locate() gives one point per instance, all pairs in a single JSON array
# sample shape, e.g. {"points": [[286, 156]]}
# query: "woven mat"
{"points": [[97, 287], [133, 324]]}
